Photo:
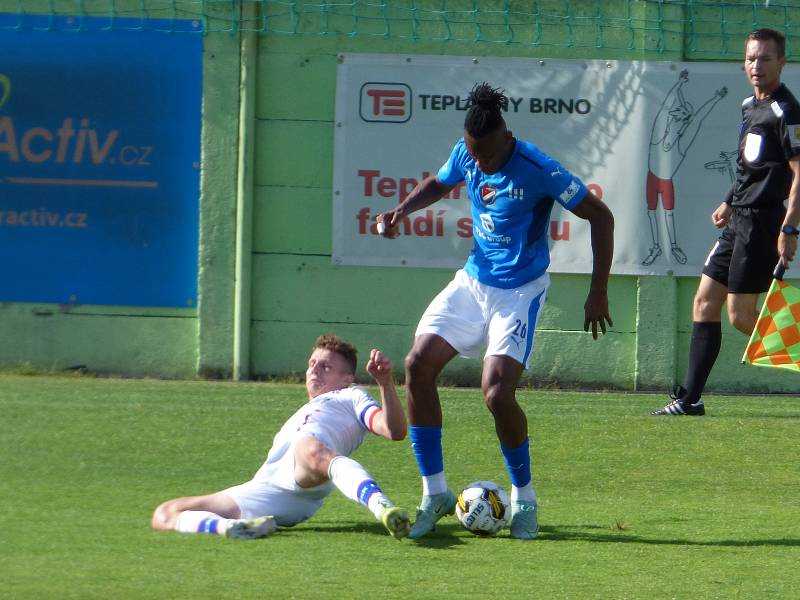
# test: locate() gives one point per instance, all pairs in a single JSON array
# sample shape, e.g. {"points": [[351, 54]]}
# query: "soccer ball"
{"points": [[483, 508]]}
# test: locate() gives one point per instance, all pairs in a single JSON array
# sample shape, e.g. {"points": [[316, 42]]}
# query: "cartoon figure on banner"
{"points": [[726, 163], [674, 130]]}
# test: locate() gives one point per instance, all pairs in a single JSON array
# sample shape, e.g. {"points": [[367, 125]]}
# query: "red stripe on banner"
{"points": [[82, 182]]}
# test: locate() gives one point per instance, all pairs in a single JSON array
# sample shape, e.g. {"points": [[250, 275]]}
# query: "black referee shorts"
{"points": [[746, 253]]}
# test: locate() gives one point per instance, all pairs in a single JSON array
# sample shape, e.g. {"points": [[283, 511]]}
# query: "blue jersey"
{"points": [[511, 212]]}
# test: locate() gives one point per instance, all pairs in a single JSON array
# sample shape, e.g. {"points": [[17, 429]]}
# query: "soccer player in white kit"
{"points": [[309, 456], [496, 299]]}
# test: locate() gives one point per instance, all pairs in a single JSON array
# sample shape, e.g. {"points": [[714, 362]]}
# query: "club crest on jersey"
{"points": [[488, 195]]}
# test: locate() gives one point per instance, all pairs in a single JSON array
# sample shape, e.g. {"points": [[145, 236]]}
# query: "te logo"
{"points": [[385, 102]]}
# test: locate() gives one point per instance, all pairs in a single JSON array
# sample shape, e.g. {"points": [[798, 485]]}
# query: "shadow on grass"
{"points": [[442, 537], [572, 533]]}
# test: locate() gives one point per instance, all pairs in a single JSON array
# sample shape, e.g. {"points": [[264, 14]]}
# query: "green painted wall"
{"points": [[218, 178], [104, 340], [298, 293], [292, 291], [153, 341]]}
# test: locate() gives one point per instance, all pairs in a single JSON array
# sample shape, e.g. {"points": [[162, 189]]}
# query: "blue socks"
{"points": [[518, 463], [426, 443]]}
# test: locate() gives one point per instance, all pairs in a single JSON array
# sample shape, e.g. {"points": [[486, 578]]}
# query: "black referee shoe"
{"points": [[679, 408]]}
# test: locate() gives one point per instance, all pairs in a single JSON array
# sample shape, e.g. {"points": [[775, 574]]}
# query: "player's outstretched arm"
{"points": [[601, 221], [391, 421], [427, 191]]}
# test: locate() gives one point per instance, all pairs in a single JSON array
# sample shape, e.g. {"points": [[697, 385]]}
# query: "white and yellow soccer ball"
{"points": [[483, 508]]}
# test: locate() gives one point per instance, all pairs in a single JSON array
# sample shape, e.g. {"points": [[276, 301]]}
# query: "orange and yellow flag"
{"points": [[775, 341]]}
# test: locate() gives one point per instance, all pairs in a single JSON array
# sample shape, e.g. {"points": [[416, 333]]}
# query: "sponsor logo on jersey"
{"points": [[516, 193], [486, 221], [488, 195], [569, 193]]}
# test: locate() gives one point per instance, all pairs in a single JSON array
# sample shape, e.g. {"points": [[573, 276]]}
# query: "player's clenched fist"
{"points": [[379, 366]]}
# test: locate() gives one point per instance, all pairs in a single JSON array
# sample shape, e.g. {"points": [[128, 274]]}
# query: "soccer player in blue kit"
{"points": [[497, 297]]}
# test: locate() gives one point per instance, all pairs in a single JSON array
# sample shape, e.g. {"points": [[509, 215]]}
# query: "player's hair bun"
{"points": [[487, 97], [484, 116]]}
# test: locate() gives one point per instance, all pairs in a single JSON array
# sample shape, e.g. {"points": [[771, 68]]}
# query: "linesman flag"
{"points": [[775, 341]]}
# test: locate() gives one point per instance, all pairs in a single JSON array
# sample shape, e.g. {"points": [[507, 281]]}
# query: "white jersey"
{"points": [[339, 419]]}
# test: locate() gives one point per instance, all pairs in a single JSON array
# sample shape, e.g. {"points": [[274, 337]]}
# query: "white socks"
{"points": [[434, 484], [526, 493], [201, 521], [357, 484]]}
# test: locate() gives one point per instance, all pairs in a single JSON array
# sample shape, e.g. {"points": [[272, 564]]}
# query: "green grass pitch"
{"points": [[631, 506]]}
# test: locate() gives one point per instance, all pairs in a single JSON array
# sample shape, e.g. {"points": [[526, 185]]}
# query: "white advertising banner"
{"points": [[655, 141]]}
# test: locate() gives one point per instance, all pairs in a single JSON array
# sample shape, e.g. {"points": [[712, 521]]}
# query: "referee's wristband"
{"points": [[790, 230]]}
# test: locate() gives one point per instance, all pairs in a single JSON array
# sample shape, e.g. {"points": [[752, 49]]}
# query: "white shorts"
{"points": [[468, 313], [274, 491]]}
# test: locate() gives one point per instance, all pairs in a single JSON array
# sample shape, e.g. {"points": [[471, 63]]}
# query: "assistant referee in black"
{"points": [[757, 227]]}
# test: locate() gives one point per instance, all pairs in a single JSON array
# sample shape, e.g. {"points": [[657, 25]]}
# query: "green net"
{"points": [[687, 27]]}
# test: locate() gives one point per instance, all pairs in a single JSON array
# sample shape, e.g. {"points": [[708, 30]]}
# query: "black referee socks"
{"points": [[703, 352]]}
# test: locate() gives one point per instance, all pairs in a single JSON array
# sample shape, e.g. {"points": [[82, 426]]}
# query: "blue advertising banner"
{"points": [[99, 161]]}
